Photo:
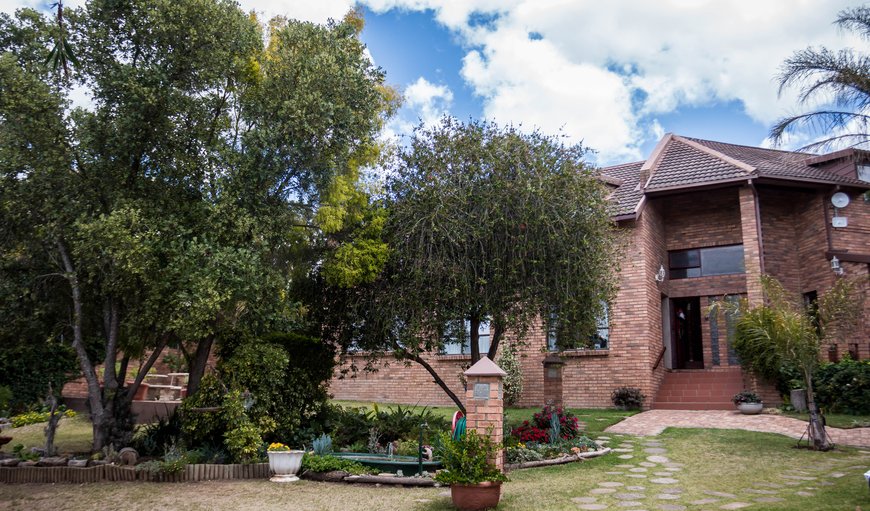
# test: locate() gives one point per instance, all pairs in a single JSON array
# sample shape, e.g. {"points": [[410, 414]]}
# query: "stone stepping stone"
{"points": [[623, 466], [837, 475], [636, 488], [763, 500], [647, 464], [825, 483], [625, 456], [721, 494], [703, 502], [671, 490], [793, 483], [672, 507], [664, 480], [761, 492], [667, 496], [629, 503], [623, 450], [593, 491], [658, 459], [637, 469], [655, 450], [592, 507], [604, 438], [767, 485], [637, 476], [663, 474], [584, 500], [653, 443], [799, 478], [805, 493], [673, 469], [611, 484], [615, 473], [735, 505], [628, 496]]}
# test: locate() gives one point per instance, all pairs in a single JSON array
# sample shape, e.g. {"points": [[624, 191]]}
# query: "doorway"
{"points": [[686, 333]]}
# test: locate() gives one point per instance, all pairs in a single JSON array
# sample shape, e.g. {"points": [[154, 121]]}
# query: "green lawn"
{"points": [[836, 420], [73, 436], [753, 467]]}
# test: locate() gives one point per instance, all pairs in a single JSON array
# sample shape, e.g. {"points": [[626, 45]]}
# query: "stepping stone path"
{"points": [[666, 494]]}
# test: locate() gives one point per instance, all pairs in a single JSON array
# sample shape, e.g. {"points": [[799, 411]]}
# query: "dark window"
{"points": [[704, 262], [457, 337]]}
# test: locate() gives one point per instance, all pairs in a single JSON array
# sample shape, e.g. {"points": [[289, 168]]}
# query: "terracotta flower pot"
{"points": [[473, 497]]}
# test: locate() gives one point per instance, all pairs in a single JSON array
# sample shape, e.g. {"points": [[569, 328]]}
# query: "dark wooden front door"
{"points": [[686, 331]]}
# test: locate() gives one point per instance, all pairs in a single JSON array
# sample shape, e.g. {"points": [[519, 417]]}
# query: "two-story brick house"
{"points": [[704, 220]]}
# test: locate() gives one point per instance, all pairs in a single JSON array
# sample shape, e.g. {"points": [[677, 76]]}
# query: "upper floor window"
{"points": [[572, 339], [704, 262], [457, 337]]}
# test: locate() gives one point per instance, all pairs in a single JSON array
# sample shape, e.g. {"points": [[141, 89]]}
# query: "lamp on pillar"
{"points": [[660, 275]]}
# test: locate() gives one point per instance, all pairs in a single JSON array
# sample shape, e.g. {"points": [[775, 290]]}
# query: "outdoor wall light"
{"points": [[835, 265], [660, 275]]}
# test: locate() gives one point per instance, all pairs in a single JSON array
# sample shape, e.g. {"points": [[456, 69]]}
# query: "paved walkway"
{"points": [[654, 422]]}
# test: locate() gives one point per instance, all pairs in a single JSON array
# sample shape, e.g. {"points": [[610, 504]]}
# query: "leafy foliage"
{"points": [[745, 397], [153, 438], [840, 78], [27, 418], [355, 425], [844, 387], [320, 463], [509, 361], [541, 425], [466, 460], [522, 455], [322, 445], [627, 398]]}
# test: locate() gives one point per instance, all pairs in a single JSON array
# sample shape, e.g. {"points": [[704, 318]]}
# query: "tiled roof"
{"points": [[683, 162], [776, 164], [681, 165], [627, 196]]}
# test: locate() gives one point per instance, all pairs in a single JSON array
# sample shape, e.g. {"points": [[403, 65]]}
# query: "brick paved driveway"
{"points": [[654, 422]]}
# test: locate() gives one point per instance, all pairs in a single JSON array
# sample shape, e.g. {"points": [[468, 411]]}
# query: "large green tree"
{"points": [[177, 207], [480, 223], [841, 76]]}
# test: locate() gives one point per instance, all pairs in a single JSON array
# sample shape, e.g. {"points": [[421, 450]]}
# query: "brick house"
{"points": [[704, 220]]}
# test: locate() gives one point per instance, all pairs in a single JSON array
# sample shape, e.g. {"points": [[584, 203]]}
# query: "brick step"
{"points": [[701, 379], [692, 406]]}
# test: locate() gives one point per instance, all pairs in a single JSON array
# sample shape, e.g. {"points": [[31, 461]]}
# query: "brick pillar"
{"points": [[553, 380], [751, 245], [484, 403]]}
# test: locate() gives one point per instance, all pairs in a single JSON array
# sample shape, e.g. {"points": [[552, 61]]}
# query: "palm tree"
{"points": [[783, 331], [843, 76]]}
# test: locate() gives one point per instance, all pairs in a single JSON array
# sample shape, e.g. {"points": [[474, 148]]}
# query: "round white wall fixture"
{"points": [[840, 200]]}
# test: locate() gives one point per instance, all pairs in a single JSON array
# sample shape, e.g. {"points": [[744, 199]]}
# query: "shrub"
{"points": [[5, 400], [627, 398], [521, 455], [28, 418], [151, 439], [354, 425], [317, 463], [541, 425], [513, 382], [466, 461], [322, 445], [844, 387], [745, 397]]}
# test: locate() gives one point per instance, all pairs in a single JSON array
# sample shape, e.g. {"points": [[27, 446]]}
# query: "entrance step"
{"points": [[699, 389]]}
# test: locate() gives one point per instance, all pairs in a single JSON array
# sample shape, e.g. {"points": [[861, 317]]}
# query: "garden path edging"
{"points": [[572, 458]]}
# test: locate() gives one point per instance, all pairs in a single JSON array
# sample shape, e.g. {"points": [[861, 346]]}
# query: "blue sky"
{"points": [[615, 75]]}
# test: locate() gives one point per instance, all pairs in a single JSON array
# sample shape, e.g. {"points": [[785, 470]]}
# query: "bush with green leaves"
{"points": [[355, 425], [29, 368], [627, 398], [466, 460], [509, 361], [27, 418], [327, 463], [844, 387], [151, 439], [322, 445], [5, 400], [522, 455]]}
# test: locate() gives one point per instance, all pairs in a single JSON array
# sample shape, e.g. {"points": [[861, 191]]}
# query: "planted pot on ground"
{"points": [[748, 402], [475, 483], [284, 463]]}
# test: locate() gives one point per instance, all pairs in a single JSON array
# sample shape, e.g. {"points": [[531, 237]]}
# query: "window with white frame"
{"points": [[599, 341], [457, 337]]}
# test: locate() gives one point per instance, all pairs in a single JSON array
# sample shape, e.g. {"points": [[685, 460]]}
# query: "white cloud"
{"points": [[429, 101]]}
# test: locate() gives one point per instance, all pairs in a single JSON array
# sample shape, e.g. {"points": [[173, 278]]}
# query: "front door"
{"points": [[686, 332]]}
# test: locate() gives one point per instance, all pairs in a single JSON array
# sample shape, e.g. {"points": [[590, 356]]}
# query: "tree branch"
{"points": [[438, 380]]}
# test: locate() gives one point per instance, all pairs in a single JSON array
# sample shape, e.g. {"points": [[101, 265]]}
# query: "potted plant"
{"points": [[748, 402], [284, 463], [475, 483]]}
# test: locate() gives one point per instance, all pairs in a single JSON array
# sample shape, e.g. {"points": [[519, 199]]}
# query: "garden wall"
{"points": [[75, 475]]}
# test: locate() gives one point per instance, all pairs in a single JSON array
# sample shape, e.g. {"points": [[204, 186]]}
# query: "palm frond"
{"points": [[855, 19]]}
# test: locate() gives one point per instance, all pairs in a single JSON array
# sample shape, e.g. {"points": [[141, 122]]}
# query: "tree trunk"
{"points": [[495, 339], [53, 419], [439, 381], [95, 401], [818, 438], [474, 334], [200, 361]]}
